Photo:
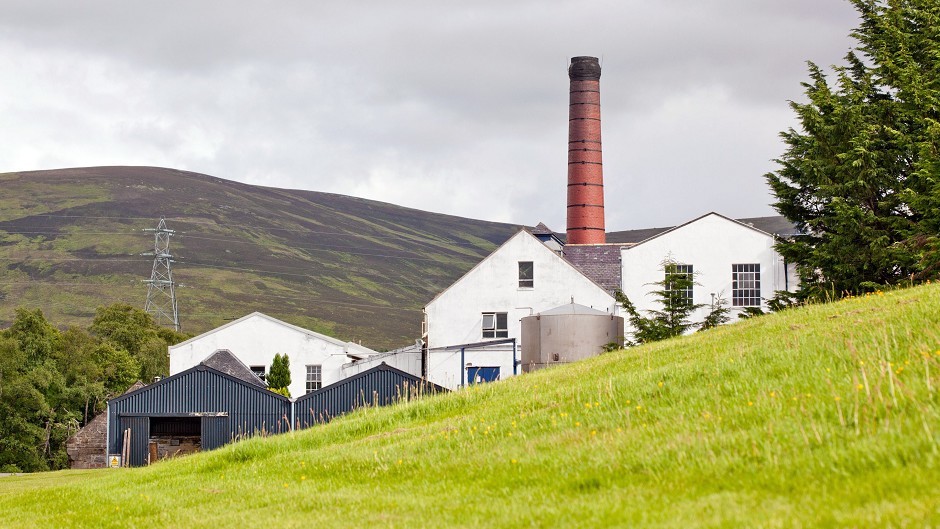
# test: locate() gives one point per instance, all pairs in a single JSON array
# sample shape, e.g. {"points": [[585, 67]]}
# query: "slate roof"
{"points": [[776, 225], [541, 229], [225, 361], [599, 262]]}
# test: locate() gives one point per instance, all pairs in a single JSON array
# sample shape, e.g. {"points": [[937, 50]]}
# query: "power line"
{"points": [[318, 248], [269, 228], [389, 308], [428, 286]]}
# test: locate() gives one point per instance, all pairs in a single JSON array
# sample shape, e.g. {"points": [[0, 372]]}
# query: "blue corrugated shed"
{"points": [[379, 386], [228, 408]]}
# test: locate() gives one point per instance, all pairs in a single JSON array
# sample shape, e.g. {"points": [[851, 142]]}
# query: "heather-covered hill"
{"points": [[70, 240]]}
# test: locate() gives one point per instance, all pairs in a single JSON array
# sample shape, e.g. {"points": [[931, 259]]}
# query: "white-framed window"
{"points": [[745, 285], [495, 325], [314, 377], [259, 371], [526, 274], [683, 272]]}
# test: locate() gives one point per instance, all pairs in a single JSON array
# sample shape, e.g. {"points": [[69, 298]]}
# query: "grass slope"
{"points": [[826, 416], [70, 241]]}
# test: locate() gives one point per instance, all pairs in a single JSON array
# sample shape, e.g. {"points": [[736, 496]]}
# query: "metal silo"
{"points": [[566, 334]]}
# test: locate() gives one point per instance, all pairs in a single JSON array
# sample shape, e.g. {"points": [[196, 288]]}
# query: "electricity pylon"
{"points": [[161, 291]]}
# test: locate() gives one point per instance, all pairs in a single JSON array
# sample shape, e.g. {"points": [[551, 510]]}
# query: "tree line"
{"points": [[52, 381]]}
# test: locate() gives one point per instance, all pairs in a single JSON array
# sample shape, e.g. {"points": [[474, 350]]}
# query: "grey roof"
{"points": [[541, 229], [599, 262], [776, 225], [225, 361], [573, 308]]}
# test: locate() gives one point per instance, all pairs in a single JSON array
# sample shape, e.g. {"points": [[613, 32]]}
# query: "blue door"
{"points": [[479, 375]]}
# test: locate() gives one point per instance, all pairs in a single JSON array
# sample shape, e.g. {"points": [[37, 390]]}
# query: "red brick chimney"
{"points": [[585, 167]]}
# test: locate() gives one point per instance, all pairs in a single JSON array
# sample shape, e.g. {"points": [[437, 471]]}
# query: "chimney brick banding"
{"points": [[585, 163]]}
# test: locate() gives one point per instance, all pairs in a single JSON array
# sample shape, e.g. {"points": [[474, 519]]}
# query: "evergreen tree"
{"points": [[861, 179], [279, 376], [672, 293]]}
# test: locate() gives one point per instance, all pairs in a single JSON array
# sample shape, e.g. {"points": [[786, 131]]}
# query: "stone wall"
{"points": [[86, 449]]}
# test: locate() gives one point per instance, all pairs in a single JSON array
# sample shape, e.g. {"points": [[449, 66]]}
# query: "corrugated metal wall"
{"points": [[215, 432], [202, 390], [140, 436], [379, 386]]}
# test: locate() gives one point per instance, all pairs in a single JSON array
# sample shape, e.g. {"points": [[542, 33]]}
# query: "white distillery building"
{"points": [[316, 360], [728, 259], [522, 277]]}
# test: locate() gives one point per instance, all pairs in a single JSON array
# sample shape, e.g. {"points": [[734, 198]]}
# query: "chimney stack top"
{"points": [[584, 69]]}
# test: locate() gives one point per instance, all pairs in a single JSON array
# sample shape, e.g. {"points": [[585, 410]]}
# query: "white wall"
{"points": [[444, 366], [407, 361], [256, 338], [711, 244], [455, 316]]}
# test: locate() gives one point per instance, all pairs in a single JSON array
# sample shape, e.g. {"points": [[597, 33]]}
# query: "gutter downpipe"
{"points": [[463, 367], [515, 364]]}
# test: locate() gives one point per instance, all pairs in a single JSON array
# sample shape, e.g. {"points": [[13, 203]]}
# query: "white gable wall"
{"points": [[256, 338], [711, 244], [456, 315]]}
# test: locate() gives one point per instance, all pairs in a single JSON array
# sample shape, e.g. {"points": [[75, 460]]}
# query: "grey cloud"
{"points": [[452, 107]]}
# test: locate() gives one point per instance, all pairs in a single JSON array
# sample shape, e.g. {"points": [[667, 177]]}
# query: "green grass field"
{"points": [[827, 416]]}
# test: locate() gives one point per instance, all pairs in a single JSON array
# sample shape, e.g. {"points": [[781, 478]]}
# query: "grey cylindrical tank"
{"points": [[566, 334]]}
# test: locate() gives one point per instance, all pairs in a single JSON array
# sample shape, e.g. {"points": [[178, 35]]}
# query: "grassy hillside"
{"points": [[70, 240], [826, 416]]}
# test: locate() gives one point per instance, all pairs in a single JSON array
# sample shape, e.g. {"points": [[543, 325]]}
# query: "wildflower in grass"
{"points": [[773, 394], [619, 430], [638, 407], [593, 432], [302, 478], [859, 387], [660, 384], [749, 403], [513, 461], [577, 424], [838, 398]]}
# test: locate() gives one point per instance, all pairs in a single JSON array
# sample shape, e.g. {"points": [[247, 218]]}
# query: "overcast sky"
{"points": [[454, 107]]}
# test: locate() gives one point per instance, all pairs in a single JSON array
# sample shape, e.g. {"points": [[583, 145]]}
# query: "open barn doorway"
{"points": [[174, 436]]}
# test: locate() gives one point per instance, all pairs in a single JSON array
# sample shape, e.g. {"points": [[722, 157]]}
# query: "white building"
{"points": [[522, 277], [316, 360], [728, 259]]}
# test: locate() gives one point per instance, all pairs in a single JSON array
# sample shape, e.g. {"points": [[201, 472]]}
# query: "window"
{"points": [[526, 277], [745, 285], [314, 378], [258, 370], [679, 278], [495, 325]]}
